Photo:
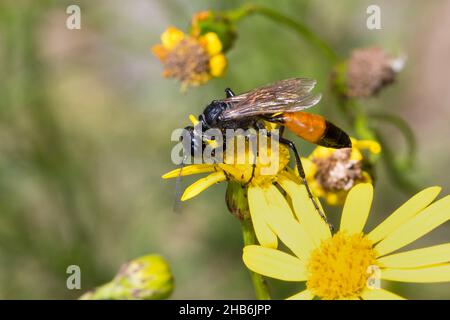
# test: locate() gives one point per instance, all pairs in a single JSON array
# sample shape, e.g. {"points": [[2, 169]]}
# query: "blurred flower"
{"points": [[193, 60], [251, 175], [144, 278], [350, 263], [331, 173], [366, 72]]}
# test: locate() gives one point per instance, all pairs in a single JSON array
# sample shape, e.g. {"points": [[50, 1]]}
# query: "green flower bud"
{"points": [[236, 199], [144, 278], [339, 79], [217, 22]]}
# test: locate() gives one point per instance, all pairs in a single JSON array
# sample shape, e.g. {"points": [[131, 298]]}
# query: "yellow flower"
{"points": [[254, 178], [193, 60], [331, 173], [350, 263]]}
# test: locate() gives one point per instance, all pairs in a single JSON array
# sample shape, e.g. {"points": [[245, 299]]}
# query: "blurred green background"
{"points": [[85, 124]]}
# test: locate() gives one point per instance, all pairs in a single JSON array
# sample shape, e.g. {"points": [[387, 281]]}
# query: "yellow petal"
{"points": [[217, 65], [357, 208], [281, 220], [203, 184], [408, 210], [418, 258], [428, 219], [379, 294], [306, 213], [274, 263], [159, 51], [439, 273], [321, 152], [258, 210], [373, 146], [356, 154], [189, 170], [193, 119], [303, 295], [309, 167], [213, 43], [171, 37]]}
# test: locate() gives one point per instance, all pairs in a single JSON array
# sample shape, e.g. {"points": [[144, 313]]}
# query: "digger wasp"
{"points": [[281, 103]]}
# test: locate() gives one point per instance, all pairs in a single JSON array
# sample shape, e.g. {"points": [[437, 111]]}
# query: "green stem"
{"points": [[237, 203], [259, 283], [407, 132], [396, 171], [301, 29]]}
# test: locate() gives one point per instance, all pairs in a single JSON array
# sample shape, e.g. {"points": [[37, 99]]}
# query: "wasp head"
{"points": [[210, 117]]}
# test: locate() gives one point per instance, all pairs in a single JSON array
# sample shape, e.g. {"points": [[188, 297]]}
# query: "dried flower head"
{"points": [[331, 173], [338, 171], [191, 60], [366, 72]]}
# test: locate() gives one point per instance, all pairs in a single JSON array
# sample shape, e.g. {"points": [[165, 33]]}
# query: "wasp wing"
{"points": [[288, 95]]}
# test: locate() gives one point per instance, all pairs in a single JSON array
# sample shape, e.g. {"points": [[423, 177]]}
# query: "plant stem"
{"points": [[397, 172], [301, 29], [407, 132], [259, 283], [237, 203]]}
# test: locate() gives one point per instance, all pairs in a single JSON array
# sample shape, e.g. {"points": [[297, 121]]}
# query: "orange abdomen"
{"points": [[310, 127]]}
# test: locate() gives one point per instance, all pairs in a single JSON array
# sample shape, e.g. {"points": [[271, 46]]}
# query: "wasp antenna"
{"points": [[178, 191], [229, 93]]}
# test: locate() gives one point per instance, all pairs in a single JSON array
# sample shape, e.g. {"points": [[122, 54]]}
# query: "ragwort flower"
{"points": [[253, 178], [347, 265], [331, 173], [193, 60]]}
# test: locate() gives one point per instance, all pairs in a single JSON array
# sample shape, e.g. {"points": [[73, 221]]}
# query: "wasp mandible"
{"points": [[282, 103]]}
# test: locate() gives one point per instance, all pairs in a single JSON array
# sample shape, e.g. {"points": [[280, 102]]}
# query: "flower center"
{"points": [[188, 62], [338, 172], [263, 170], [339, 268]]}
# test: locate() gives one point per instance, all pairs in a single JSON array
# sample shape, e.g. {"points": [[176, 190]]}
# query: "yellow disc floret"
{"points": [[257, 171], [338, 269]]}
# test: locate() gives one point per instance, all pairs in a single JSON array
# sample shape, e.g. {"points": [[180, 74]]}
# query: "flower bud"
{"points": [[205, 22], [144, 278], [236, 199]]}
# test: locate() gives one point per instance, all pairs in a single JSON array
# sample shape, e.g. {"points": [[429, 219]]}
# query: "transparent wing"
{"points": [[288, 95]]}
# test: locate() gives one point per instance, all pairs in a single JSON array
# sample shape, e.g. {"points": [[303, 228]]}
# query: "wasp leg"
{"points": [[253, 175], [247, 140], [229, 93], [301, 172], [281, 131]]}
